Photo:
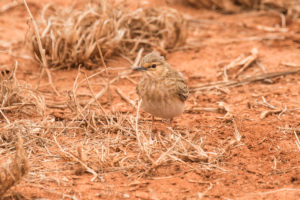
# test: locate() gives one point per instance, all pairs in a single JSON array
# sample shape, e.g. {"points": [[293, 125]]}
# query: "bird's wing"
{"points": [[182, 90]]}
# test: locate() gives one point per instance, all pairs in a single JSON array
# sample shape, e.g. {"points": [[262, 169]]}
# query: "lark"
{"points": [[162, 89]]}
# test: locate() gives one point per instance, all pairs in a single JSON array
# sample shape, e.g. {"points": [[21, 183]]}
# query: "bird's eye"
{"points": [[153, 66]]}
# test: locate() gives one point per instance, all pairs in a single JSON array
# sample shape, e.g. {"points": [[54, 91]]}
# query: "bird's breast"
{"points": [[159, 99], [158, 90]]}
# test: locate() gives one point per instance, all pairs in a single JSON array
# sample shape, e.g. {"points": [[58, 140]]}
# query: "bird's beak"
{"points": [[140, 69]]}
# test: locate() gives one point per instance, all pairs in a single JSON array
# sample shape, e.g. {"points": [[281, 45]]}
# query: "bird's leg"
{"points": [[171, 122], [152, 123], [152, 134]]}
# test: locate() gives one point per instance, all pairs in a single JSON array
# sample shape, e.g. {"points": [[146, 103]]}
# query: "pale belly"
{"points": [[164, 108]]}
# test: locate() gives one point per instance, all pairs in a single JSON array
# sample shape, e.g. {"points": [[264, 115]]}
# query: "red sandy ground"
{"points": [[247, 170]]}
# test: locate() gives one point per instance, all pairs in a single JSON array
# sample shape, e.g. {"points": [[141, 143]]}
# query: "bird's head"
{"points": [[153, 64]]}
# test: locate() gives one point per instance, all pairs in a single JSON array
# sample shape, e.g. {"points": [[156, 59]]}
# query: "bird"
{"points": [[162, 89]]}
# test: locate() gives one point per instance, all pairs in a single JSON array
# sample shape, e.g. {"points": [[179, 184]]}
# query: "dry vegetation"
{"points": [[12, 170], [16, 97], [287, 6], [118, 142], [76, 37], [123, 142], [114, 141]]}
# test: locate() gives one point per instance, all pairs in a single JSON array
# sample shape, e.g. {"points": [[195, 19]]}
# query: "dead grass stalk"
{"points": [[41, 50], [235, 83], [13, 171], [19, 96]]}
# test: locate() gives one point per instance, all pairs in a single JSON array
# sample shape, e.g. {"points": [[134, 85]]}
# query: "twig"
{"points": [[79, 112], [125, 98], [274, 109], [297, 130], [42, 52], [99, 94], [290, 64], [297, 140], [275, 163], [197, 147], [91, 76], [236, 83], [157, 162], [263, 68], [222, 108], [202, 194], [6, 119], [283, 111], [9, 6], [247, 61], [268, 105], [253, 38], [107, 78], [269, 28], [138, 58], [195, 44], [266, 113], [74, 89], [242, 62], [52, 191], [88, 169], [225, 107], [199, 109], [274, 191], [236, 131], [93, 94]]}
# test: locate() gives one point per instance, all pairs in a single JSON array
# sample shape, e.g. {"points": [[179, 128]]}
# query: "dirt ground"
{"points": [[263, 164]]}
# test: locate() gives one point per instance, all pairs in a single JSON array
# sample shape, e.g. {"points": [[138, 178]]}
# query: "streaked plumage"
{"points": [[162, 89]]}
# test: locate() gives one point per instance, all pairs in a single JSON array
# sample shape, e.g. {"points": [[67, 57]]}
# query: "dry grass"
{"points": [[225, 5], [12, 171], [16, 96], [90, 141], [287, 6], [235, 83], [96, 141], [122, 142], [17, 100], [102, 144], [76, 37], [115, 144]]}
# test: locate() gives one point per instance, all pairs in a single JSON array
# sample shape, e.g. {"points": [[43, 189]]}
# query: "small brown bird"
{"points": [[162, 89]]}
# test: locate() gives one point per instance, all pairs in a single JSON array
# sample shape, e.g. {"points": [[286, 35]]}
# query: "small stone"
{"points": [[126, 196]]}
